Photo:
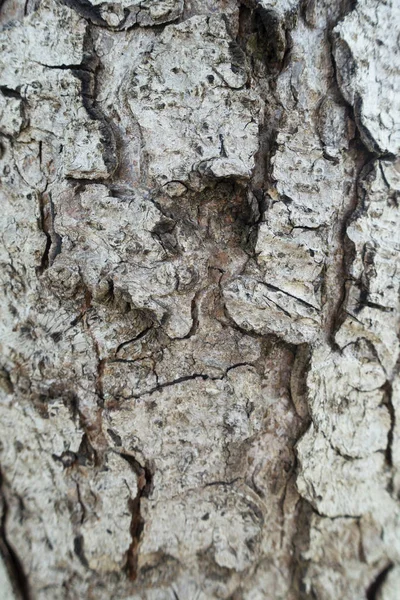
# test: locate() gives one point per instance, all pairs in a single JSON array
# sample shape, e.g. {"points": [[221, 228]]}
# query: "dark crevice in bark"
{"points": [[86, 10], [332, 322], [67, 458], [251, 25], [273, 288], [136, 528], [76, 68], [376, 585], [225, 483], [88, 74], [300, 544], [101, 362], [83, 182], [388, 402], [185, 378], [53, 239], [5, 380], [362, 158], [12, 562], [298, 392], [139, 336], [10, 93], [338, 313], [93, 442], [161, 386], [298, 388], [365, 135], [144, 478], [365, 302], [272, 33], [158, 29], [340, 516], [334, 313], [44, 226]]}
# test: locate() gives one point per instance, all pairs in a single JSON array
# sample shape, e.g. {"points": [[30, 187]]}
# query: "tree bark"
{"points": [[200, 391]]}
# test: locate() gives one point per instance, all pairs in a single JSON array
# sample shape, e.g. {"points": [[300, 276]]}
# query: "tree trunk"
{"points": [[200, 392]]}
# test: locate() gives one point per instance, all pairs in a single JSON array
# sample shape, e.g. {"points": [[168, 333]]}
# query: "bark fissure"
{"points": [[53, 239], [159, 387], [374, 588], [12, 561], [145, 485]]}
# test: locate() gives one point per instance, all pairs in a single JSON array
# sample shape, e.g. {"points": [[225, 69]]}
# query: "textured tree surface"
{"points": [[200, 268]]}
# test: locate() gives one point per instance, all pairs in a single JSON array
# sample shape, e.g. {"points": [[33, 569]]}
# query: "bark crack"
{"points": [[144, 478], [53, 239], [13, 564], [376, 585], [183, 379]]}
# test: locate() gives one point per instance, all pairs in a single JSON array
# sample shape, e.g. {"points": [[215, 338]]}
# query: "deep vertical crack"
{"points": [[13, 564], [376, 585], [338, 276], [44, 226], [388, 392], [144, 480], [46, 223]]}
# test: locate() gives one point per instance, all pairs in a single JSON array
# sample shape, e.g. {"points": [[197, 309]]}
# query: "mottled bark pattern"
{"points": [[200, 266]]}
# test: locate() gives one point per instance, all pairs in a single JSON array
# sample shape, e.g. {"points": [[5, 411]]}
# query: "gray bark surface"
{"points": [[200, 268]]}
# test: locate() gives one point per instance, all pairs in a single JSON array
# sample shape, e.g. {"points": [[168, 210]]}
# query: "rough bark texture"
{"points": [[200, 393]]}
